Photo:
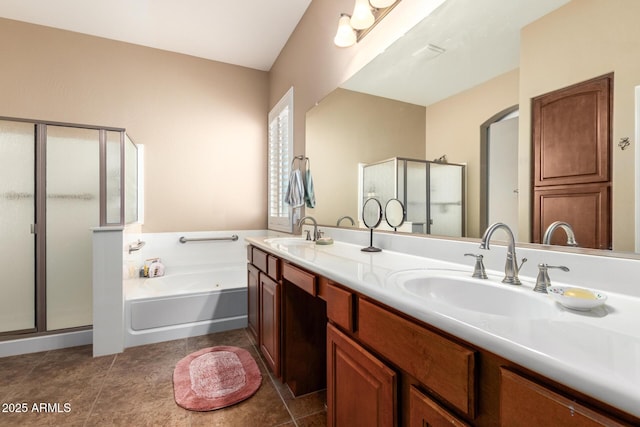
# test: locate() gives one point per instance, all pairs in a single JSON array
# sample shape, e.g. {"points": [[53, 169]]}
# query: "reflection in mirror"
{"points": [[394, 213], [517, 51], [346, 217], [131, 184], [371, 217]]}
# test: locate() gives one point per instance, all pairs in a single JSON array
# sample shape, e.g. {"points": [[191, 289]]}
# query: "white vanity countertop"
{"points": [[596, 352]]}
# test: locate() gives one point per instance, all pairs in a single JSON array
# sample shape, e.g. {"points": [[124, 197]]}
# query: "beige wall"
{"points": [[203, 123], [605, 37], [348, 128], [453, 128]]}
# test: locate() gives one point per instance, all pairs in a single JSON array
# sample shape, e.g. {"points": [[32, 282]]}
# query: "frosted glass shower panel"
{"points": [[416, 195], [380, 181], [130, 181], [113, 177], [73, 208], [446, 203], [17, 214]]}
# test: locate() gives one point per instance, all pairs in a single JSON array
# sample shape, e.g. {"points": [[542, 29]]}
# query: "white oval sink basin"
{"points": [[474, 295]]}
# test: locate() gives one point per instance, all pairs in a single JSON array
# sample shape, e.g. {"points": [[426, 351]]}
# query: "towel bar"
{"points": [[183, 239]]}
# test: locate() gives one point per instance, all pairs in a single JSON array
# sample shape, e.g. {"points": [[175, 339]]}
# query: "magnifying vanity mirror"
{"points": [[394, 213], [371, 217], [441, 88]]}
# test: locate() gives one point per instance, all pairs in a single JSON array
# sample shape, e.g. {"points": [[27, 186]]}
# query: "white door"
{"points": [[503, 173]]}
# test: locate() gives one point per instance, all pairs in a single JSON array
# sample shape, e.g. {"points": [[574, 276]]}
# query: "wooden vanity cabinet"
{"points": [[361, 390], [304, 320], [264, 303], [385, 368], [424, 411], [253, 300], [441, 365], [524, 402], [269, 336], [368, 346]]}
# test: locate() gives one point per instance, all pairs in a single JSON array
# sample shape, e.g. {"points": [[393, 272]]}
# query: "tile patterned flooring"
{"points": [[135, 388]]}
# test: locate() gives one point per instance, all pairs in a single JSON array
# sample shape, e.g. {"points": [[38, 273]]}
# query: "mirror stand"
{"points": [[371, 248], [371, 216]]}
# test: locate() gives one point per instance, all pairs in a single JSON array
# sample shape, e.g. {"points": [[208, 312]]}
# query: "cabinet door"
{"points": [[424, 412], [361, 390], [526, 403], [270, 322], [253, 302]]}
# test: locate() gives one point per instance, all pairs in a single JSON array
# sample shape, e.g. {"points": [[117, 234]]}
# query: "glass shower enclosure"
{"points": [[433, 193], [57, 182]]}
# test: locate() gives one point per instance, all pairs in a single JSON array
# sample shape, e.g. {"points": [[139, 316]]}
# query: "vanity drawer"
{"points": [[423, 411], [273, 267], [302, 279], [340, 306], [443, 366], [525, 403], [259, 259]]}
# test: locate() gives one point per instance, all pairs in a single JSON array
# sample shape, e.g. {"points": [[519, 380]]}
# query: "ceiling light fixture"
{"points": [[362, 17], [346, 35], [381, 4], [366, 14]]}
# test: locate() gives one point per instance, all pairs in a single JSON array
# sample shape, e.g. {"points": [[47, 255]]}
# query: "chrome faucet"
{"points": [[345, 217], [316, 234], [571, 237], [511, 267]]}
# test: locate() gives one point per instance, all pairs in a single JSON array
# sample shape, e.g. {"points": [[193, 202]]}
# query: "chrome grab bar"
{"points": [[136, 246], [183, 239]]}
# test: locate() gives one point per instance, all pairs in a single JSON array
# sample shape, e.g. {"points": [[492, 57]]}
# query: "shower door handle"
{"points": [[33, 229]]}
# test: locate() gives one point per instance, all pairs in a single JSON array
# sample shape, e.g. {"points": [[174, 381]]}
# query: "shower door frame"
{"points": [[39, 228]]}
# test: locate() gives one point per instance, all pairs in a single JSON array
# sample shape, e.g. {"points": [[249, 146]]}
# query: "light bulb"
{"points": [[362, 17], [381, 4], [346, 35]]}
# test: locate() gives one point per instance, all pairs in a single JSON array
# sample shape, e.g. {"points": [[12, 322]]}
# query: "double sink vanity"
{"points": [[399, 338]]}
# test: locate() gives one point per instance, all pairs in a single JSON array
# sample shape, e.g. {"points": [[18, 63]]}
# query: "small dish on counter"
{"points": [[577, 298]]}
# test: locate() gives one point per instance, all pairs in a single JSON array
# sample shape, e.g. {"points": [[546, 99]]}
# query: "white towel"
{"points": [[295, 193]]}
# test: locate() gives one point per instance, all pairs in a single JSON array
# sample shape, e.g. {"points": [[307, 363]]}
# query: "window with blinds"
{"points": [[280, 156]]}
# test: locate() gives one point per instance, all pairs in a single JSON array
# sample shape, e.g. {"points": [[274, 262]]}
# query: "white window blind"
{"points": [[280, 156]]}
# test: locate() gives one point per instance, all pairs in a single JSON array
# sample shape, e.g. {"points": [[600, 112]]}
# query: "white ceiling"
{"points": [[480, 39], [250, 33]]}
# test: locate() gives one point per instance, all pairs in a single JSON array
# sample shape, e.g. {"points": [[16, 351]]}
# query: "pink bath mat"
{"points": [[214, 378]]}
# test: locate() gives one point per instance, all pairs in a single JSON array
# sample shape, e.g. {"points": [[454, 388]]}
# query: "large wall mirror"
{"points": [[468, 64]]}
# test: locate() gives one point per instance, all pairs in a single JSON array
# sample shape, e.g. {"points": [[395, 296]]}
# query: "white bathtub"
{"points": [[188, 301]]}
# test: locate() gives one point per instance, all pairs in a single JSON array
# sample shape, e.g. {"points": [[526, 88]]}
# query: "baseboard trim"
{"points": [[45, 343]]}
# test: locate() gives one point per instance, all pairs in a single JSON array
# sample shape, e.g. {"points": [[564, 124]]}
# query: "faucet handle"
{"points": [[308, 235], [543, 281], [478, 269]]}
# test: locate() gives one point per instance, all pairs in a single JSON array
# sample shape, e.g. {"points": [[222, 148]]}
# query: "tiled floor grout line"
{"points": [[273, 380], [104, 380]]}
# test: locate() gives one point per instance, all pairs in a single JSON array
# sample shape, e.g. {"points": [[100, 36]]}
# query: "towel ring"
{"points": [[302, 159]]}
